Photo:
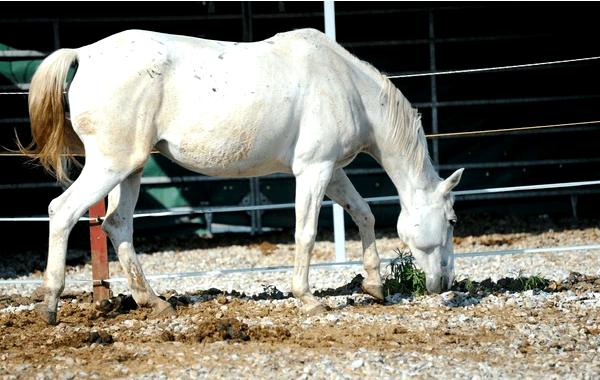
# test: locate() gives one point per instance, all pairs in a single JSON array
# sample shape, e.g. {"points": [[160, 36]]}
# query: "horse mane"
{"points": [[404, 126]]}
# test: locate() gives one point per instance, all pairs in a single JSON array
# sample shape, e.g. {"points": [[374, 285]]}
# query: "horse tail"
{"points": [[54, 139]]}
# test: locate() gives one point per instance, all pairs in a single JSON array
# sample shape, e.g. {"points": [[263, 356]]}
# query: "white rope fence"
{"points": [[494, 68]]}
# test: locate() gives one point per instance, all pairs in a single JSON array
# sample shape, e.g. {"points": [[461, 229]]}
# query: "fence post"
{"points": [[99, 252], [338, 212]]}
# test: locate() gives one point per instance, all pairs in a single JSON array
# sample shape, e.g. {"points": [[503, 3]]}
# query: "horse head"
{"points": [[426, 225]]}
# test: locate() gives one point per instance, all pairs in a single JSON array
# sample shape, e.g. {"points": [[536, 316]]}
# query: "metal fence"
{"points": [[434, 105], [248, 18]]}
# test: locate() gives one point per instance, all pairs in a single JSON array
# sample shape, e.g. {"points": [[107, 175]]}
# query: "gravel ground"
{"points": [[256, 254], [492, 334]]}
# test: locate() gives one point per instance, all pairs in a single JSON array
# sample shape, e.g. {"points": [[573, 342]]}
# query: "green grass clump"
{"points": [[534, 282], [469, 286], [404, 277]]}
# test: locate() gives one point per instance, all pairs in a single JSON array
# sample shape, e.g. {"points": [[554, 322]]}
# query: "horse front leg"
{"points": [[310, 189], [118, 225], [341, 190], [93, 184]]}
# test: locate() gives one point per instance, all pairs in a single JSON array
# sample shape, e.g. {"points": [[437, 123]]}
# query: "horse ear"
{"points": [[450, 183]]}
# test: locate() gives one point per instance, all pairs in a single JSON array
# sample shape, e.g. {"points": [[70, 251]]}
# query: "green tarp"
{"points": [[17, 71]]}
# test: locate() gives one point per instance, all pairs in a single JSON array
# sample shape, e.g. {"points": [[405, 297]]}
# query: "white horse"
{"points": [[295, 103]]}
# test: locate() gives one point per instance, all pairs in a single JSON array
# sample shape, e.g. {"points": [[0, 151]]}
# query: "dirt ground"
{"points": [[120, 340]]}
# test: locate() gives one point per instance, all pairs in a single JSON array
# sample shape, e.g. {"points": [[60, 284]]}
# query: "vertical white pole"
{"points": [[338, 212], [339, 233], [329, 10]]}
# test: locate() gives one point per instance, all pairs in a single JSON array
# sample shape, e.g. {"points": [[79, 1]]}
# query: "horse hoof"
{"points": [[314, 309], [163, 310], [375, 291], [47, 316]]}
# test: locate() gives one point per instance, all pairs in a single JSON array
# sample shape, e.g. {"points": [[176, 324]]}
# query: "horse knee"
{"points": [[306, 238], [116, 227], [60, 222]]}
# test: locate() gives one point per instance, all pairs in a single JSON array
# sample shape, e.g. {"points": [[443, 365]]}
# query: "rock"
{"points": [[356, 364], [99, 337]]}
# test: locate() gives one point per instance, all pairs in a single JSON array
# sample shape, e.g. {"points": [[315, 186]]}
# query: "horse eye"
{"points": [[452, 222]]}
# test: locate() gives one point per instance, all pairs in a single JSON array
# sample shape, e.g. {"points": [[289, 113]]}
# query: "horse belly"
{"points": [[233, 151]]}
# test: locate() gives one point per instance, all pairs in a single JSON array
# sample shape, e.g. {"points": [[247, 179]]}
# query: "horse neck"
{"points": [[400, 145], [408, 180]]}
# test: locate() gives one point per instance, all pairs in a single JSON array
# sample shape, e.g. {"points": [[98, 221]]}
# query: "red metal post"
{"points": [[99, 252]]}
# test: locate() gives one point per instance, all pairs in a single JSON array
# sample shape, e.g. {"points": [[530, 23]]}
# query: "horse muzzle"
{"points": [[438, 284]]}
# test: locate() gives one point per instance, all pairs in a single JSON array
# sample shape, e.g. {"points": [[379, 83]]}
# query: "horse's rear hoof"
{"points": [[375, 291], [162, 310], [314, 309], [46, 315]]}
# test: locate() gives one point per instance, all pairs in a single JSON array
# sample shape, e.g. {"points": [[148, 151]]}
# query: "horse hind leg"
{"points": [[341, 190], [93, 184], [118, 225]]}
